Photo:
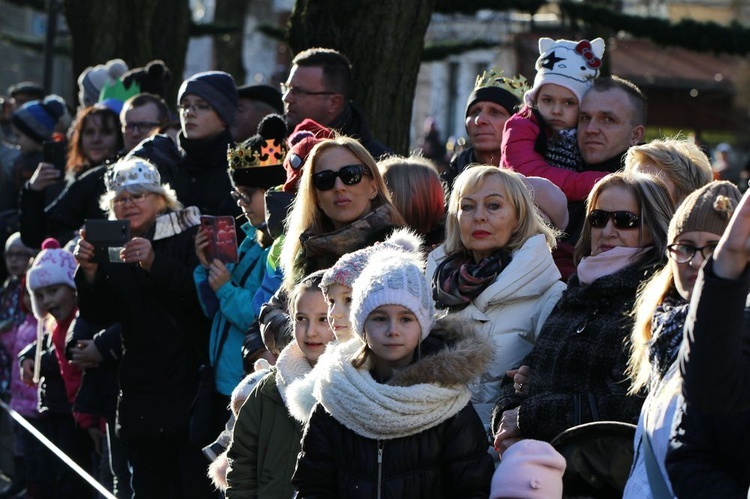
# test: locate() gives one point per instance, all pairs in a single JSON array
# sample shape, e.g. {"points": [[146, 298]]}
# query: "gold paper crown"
{"points": [[271, 153], [517, 86]]}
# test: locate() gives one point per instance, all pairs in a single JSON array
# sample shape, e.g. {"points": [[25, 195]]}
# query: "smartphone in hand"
{"points": [[55, 152], [108, 238], [222, 238]]}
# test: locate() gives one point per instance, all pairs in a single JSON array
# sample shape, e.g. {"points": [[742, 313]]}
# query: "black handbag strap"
{"points": [[223, 339], [227, 325]]}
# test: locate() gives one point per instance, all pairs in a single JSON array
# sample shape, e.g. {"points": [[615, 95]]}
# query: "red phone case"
{"points": [[222, 236]]}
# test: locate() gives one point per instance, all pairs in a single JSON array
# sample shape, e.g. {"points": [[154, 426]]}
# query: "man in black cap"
{"points": [[488, 107], [254, 103]]}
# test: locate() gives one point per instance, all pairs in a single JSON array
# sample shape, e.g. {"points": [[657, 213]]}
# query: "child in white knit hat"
{"points": [[393, 412], [540, 139], [338, 280]]}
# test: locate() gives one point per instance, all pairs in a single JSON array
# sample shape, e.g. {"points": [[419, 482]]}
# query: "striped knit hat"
{"points": [[38, 119]]}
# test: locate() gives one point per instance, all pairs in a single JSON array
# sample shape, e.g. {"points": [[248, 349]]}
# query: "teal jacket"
{"points": [[231, 309]]}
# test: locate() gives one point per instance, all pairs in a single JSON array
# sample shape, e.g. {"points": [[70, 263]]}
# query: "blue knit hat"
{"points": [[217, 88], [38, 119]]}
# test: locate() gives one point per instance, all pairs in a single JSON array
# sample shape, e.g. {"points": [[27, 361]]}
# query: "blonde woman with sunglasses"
{"points": [[576, 370], [342, 205]]}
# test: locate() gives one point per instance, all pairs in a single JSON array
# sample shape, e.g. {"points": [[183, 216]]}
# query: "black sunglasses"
{"points": [[349, 174], [621, 219]]}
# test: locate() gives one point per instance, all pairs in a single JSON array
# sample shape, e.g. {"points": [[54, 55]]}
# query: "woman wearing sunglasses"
{"points": [[342, 205], [495, 270], [576, 370], [660, 313]]}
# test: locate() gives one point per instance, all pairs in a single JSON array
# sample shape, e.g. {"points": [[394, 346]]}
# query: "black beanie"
{"points": [[217, 88], [497, 95]]}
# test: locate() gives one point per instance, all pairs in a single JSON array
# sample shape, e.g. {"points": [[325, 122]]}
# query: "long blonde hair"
{"points": [[306, 215], [662, 284], [650, 295]]}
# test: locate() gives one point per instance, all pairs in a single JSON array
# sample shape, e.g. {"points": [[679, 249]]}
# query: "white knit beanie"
{"points": [[350, 265], [53, 265], [569, 64], [391, 279]]}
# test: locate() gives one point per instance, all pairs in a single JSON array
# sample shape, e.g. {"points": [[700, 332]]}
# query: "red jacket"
{"points": [[519, 136]]}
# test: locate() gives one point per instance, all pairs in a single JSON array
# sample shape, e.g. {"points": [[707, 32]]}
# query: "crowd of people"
{"points": [[253, 297]]}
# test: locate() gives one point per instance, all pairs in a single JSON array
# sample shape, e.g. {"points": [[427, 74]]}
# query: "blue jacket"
{"points": [[231, 308]]}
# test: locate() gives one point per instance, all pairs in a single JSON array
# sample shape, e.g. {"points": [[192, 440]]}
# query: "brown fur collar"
{"points": [[454, 353]]}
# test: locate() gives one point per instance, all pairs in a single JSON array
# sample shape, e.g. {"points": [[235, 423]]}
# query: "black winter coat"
{"points": [[99, 385], [203, 179], [442, 462], [578, 362], [67, 213], [448, 460], [352, 123], [52, 394], [709, 451], [723, 351], [164, 333]]}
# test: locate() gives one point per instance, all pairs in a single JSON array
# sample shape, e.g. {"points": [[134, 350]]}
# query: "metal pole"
{"points": [[59, 453], [49, 43]]}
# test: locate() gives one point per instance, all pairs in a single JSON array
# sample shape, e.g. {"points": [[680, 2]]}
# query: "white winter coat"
{"points": [[511, 312]]}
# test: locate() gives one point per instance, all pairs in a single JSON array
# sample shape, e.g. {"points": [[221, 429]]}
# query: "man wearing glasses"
{"points": [[319, 88], [142, 116]]}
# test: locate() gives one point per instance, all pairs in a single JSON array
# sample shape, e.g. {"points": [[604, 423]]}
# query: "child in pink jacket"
{"points": [[540, 139]]}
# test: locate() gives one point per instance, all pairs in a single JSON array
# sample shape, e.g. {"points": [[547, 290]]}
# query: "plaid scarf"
{"points": [[666, 326], [458, 280]]}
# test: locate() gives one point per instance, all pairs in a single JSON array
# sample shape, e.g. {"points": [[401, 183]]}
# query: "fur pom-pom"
{"points": [[724, 206], [406, 239]]}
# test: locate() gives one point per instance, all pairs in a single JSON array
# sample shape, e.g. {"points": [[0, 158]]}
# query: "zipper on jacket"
{"points": [[380, 467]]}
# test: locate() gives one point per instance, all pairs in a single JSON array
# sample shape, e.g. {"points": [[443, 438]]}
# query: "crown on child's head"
{"points": [[516, 86], [266, 148], [271, 153]]}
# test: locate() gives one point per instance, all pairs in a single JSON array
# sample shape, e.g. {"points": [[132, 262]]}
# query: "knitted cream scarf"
{"points": [[299, 393], [290, 366], [380, 411]]}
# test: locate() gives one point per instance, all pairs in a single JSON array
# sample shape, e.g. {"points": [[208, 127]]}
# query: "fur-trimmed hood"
{"points": [[452, 354], [421, 396]]}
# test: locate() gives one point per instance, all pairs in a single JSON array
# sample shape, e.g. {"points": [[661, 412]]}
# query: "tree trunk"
{"points": [[228, 47], [383, 39], [136, 31]]}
